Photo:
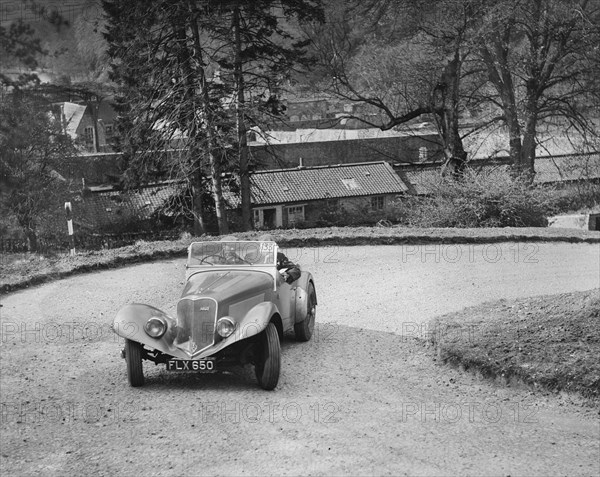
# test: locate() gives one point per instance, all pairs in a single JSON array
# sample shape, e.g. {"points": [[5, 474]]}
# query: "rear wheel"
{"points": [[304, 329], [133, 356], [268, 360]]}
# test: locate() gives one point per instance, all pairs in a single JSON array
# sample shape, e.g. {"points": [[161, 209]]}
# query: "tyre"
{"points": [[133, 356], [268, 360], [304, 330]]}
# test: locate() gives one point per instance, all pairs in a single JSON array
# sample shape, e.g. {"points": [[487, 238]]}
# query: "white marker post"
{"points": [[69, 210]]}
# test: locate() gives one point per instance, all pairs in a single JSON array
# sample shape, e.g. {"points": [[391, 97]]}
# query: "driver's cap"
{"points": [[266, 238]]}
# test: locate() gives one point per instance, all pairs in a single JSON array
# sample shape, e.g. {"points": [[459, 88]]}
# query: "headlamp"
{"points": [[155, 327]]}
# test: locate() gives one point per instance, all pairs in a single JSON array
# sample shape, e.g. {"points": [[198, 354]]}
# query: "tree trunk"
{"points": [[241, 127], [197, 203], [32, 243], [217, 190], [529, 143], [495, 59], [213, 159], [94, 110], [446, 106]]}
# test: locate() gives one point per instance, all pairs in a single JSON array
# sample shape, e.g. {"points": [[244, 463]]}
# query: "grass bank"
{"points": [[548, 342]]}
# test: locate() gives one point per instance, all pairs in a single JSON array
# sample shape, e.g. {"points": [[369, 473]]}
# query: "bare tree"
{"points": [[406, 63], [542, 58]]}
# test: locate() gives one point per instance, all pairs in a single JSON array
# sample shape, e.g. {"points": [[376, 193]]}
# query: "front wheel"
{"points": [[268, 361], [133, 356], [304, 330]]}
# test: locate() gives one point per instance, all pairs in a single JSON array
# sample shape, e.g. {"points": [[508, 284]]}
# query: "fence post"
{"points": [[68, 210]]}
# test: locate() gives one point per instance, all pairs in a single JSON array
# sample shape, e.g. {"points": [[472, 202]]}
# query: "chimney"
{"points": [[300, 163]]}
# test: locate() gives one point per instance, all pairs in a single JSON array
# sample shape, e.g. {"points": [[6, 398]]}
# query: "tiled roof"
{"points": [[105, 205], [314, 183]]}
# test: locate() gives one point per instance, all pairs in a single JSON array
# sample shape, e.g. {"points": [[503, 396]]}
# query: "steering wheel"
{"points": [[209, 256]]}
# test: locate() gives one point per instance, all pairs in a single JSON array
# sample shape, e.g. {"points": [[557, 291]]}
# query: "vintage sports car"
{"points": [[234, 309]]}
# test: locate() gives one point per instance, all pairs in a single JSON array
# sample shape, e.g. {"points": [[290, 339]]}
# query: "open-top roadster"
{"points": [[234, 309]]}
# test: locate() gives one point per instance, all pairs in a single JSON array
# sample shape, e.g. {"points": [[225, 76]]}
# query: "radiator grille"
{"points": [[196, 320]]}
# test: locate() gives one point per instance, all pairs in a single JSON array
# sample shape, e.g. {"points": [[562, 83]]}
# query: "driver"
{"points": [[228, 253], [288, 270]]}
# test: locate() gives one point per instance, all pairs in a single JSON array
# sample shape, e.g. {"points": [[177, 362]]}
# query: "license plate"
{"points": [[207, 365]]}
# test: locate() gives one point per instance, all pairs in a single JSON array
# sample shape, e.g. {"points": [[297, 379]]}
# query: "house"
{"points": [[92, 126], [290, 197]]}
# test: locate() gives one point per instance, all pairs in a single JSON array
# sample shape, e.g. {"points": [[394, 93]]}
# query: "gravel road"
{"points": [[363, 397]]}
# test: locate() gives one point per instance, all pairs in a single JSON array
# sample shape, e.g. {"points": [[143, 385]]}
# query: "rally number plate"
{"points": [[207, 365]]}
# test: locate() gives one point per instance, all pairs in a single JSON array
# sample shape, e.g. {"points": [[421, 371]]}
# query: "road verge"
{"points": [[33, 269]]}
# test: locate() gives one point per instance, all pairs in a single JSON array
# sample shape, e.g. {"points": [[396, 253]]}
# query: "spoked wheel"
{"points": [[268, 360], [304, 329], [133, 356]]}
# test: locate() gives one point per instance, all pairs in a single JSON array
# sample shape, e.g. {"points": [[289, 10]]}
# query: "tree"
{"points": [[32, 145], [542, 58], [20, 45], [263, 53], [405, 61], [32, 142], [169, 67], [167, 99]]}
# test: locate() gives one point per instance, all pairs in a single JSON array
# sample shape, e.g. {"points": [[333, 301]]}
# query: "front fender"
{"points": [[253, 323], [129, 324]]}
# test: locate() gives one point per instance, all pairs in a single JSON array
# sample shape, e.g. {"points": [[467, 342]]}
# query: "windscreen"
{"points": [[248, 253]]}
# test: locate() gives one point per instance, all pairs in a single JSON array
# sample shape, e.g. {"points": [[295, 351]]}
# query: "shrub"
{"points": [[574, 197], [490, 199]]}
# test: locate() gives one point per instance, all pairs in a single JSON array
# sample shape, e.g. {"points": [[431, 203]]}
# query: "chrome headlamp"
{"points": [[225, 326], [155, 327]]}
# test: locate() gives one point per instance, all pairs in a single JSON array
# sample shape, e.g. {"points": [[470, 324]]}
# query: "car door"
{"points": [[286, 296]]}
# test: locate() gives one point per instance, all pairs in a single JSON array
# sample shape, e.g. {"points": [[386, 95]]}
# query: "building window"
{"points": [[422, 153], [377, 202], [332, 203], [295, 214], [109, 130], [88, 134]]}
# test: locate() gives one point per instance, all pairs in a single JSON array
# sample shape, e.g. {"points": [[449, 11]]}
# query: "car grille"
{"points": [[196, 320]]}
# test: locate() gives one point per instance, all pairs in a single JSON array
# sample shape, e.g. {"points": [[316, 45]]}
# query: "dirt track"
{"points": [[364, 397]]}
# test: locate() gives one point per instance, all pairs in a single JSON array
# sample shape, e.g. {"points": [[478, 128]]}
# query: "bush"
{"points": [[574, 197], [490, 199]]}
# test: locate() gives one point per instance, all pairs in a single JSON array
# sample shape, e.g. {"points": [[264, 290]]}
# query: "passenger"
{"points": [[289, 270]]}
